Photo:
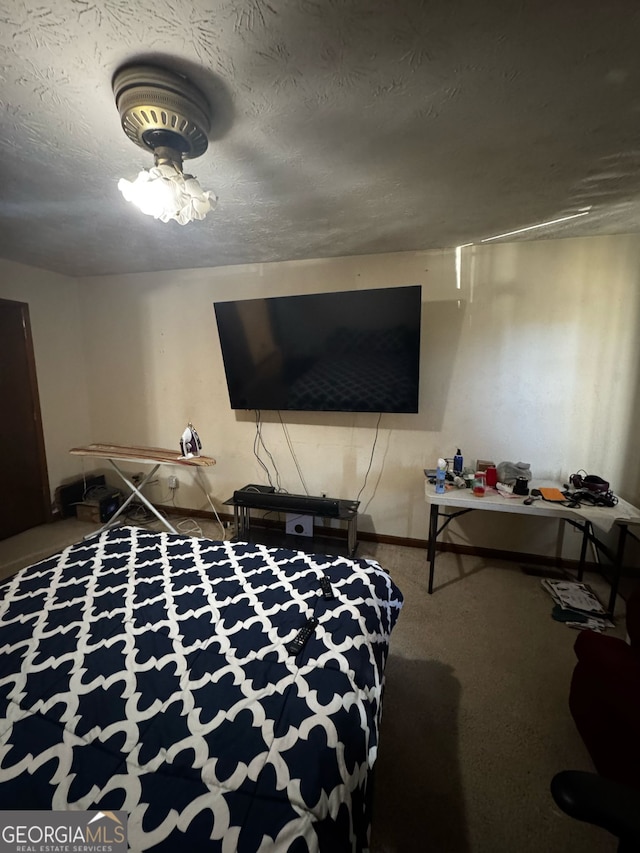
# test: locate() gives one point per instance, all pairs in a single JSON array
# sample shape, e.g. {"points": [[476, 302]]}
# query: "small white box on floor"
{"points": [[299, 525]]}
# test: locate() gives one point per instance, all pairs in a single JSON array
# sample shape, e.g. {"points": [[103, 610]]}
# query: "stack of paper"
{"points": [[576, 605]]}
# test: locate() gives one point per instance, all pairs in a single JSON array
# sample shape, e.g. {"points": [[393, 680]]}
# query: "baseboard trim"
{"points": [[403, 541], [170, 509]]}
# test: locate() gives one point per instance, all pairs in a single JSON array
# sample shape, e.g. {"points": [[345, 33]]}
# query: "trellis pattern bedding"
{"points": [[148, 672]]}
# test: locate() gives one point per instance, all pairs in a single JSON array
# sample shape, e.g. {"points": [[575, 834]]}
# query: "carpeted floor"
{"points": [[475, 718]]}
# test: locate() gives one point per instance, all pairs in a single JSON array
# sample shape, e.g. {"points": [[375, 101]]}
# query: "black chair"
{"points": [[599, 801]]}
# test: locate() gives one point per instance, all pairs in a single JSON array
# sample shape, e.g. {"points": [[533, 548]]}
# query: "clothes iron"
{"points": [[190, 444]]}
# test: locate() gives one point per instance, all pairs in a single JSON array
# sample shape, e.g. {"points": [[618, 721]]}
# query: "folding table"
{"points": [[607, 519], [154, 456]]}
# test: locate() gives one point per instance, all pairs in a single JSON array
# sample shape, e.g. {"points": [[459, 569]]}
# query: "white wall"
{"points": [[534, 358], [57, 332]]}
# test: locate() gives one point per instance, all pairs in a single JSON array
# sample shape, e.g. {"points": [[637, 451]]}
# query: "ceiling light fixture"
{"points": [[164, 113]]}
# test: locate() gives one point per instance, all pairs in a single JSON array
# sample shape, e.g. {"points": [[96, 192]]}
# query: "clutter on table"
{"points": [[513, 479]]}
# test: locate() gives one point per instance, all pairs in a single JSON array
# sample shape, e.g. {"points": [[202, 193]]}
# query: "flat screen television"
{"points": [[353, 351]]}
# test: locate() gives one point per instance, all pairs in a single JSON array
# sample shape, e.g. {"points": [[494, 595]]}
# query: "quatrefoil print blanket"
{"points": [[148, 672]]}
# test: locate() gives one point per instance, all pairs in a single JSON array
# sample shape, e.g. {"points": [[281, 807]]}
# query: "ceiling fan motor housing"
{"points": [[160, 108]]}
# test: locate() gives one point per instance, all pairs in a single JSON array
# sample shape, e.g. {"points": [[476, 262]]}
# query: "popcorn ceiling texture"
{"points": [[340, 127]]}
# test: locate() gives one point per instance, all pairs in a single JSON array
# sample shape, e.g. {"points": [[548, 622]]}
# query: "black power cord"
{"points": [[581, 496]]}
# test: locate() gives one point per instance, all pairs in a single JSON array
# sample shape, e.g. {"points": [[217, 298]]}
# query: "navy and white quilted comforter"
{"points": [[148, 672]]}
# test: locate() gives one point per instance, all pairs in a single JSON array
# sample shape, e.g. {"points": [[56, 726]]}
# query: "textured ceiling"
{"points": [[340, 127]]}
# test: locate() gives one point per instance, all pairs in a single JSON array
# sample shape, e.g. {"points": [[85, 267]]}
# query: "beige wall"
{"points": [[534, 357], [56, 327]]}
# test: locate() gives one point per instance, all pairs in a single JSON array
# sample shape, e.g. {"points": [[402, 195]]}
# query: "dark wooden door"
{"points": [[25, 499]]}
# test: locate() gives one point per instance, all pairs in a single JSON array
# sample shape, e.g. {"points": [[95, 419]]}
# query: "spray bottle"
{"points": [[440, 476]]}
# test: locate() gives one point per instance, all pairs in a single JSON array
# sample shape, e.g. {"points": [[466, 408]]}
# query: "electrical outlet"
{"points": [[173, 482]]}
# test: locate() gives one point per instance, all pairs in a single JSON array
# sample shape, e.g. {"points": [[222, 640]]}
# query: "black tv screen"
{"points": [[353, 351]]}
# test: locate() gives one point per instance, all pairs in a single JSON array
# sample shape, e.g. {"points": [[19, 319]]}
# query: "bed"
{"points": [[149, 672]]}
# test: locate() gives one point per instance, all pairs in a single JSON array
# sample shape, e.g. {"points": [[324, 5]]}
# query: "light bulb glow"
{"points": [[165, 193]]}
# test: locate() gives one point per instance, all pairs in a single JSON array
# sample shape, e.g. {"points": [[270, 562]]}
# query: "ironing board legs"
{"points": [[136, 491]]}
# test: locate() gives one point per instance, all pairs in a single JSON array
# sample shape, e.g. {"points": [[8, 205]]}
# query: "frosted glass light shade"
{"points": [[165, 193]]}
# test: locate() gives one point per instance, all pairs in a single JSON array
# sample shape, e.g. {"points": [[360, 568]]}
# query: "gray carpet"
{"points": [[475, 719]]}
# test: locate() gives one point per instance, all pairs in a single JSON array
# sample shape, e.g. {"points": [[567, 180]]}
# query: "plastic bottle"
{"points": [[457, 463], [440, 476]]}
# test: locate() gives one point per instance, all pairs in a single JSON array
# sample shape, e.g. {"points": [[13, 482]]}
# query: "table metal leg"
{"points": [[352, 535], [431, 550], [136, 491], [617, 567], [241, 521], [586, 530]]}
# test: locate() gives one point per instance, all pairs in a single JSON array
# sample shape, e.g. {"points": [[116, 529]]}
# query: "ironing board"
{"points": [[155, 456]]}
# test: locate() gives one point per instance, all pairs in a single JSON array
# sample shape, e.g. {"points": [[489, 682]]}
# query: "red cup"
{"points": [[492, 476], [479, 484]]}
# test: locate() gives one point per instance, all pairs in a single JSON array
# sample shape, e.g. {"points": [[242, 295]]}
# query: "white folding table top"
{"points": [[602, 517]]}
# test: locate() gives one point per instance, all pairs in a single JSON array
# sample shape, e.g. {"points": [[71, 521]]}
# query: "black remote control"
{"points": [[327, 592], [297, 644]]}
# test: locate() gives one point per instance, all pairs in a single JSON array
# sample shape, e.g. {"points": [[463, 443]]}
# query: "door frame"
{"points": [[45, 493]]}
